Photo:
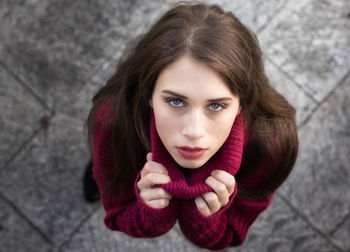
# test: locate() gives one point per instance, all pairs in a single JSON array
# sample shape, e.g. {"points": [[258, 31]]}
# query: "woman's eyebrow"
{"points": [[185, 98]]}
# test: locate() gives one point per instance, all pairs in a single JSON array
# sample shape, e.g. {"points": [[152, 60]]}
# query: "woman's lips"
{"points": [[191, 153]]}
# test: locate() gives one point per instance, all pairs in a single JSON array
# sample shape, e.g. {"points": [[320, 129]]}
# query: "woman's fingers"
{"points": [[226, 178], [202, 206], [159, 203], [151, 179], [220, 190], [212, 201], [154, 173], [149, 156], [155, 193], [153, 167]]}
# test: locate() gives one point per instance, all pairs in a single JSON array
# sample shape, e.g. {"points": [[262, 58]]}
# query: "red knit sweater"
{"points": [[129, 214]]}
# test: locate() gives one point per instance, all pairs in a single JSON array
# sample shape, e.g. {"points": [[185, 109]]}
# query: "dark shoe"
{"points": [[91, 192]]}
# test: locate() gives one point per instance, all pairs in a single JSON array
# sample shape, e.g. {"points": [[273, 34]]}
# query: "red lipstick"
{"points": [[191, 152]]}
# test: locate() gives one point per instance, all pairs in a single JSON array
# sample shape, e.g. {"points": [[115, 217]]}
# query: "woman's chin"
{"points": [[190, 163]]}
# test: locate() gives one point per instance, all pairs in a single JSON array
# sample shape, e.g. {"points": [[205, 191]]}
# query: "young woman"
{"points": [[189, 129]]}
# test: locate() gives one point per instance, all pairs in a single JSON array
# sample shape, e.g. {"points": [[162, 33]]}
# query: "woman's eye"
{"points": [[216, 106], [175, 102]]}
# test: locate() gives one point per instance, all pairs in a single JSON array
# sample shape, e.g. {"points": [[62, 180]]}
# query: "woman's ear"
{"points": [[150, 103]]}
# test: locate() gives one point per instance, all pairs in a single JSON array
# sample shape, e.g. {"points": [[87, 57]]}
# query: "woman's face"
{"points": [[193, 107]]}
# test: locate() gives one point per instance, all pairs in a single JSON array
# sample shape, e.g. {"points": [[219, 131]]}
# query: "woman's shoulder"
{"points": [[247, 135], [103, 114], [263, 168]]}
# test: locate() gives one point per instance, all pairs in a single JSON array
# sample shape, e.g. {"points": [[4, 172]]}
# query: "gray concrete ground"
{"points": [[55, 54]]}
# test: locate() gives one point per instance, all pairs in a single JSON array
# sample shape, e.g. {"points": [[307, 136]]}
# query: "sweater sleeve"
{"points": [[229, 226], [127, 213]]}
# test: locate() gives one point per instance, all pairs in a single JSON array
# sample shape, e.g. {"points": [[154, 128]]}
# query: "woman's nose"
{"points": [[194, 126]]}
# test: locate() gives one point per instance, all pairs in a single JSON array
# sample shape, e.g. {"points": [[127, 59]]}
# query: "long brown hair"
{"points": [[217, 38]]}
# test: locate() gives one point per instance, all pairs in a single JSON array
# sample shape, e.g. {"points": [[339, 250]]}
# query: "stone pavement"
{"points": [[55, 54]]}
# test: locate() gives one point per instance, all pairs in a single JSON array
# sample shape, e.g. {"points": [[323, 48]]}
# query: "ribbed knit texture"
{"points": [[129, 214]]}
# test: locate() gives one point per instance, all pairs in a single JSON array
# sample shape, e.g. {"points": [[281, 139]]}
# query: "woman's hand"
{"points": [[223, 184], [154, 173]]}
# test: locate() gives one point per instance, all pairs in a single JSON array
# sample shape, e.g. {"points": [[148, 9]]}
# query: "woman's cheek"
{"points": [[220, 131], [167, 118], [167, 125]]}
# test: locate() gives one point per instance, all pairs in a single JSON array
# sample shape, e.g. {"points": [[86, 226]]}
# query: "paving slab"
{"points": [[141, 17], [107, 69], [280, 229], [136, 26], [95, 236], [309, 40], [11, 8], [45, 180], [341, 234], [56, 52], [20, 115], [82, 104], [16, 234], [253, 13], [303, 104], [319, 184], [144, 14]]}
